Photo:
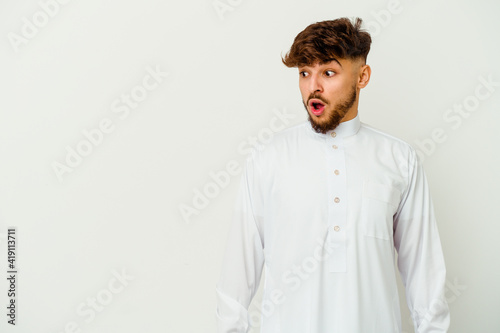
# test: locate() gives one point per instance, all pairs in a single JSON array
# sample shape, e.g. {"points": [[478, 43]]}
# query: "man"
{"points": [[325, 205]]}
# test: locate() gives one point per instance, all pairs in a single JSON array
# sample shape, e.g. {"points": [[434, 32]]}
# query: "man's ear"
{"points": [[364, 76]]}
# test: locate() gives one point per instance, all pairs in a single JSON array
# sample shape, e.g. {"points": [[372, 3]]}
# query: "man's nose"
{"points": [[315, 84]]}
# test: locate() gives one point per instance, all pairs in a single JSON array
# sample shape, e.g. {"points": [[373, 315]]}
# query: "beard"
{"points": [[335, 116]]}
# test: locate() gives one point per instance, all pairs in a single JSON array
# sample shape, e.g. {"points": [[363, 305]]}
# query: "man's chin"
{"points": [[321, 125]]}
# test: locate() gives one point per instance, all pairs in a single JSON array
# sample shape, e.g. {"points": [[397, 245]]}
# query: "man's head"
{"points": [[331, 58]]}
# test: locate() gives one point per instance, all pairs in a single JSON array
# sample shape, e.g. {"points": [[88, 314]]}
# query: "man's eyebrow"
{"points": [[324, 62], [331, 59]]}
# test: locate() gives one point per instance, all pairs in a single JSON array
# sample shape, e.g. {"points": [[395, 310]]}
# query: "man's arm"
{"points": [[420, 257], [244, 257]]}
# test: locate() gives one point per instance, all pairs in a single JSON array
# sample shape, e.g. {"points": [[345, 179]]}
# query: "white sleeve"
{"points": [[420, 257], [243, 259]]}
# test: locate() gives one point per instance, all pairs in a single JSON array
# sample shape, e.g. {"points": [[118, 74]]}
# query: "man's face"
{"points": [[329, 92]]}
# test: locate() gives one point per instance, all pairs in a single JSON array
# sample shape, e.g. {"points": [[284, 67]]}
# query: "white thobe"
{"points": [[324, 214]]}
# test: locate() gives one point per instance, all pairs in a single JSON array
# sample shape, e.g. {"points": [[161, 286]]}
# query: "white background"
{"points": [[117, 211]]}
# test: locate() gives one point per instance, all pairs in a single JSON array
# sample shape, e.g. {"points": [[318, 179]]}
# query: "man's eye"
{"points": [[303, 74], [329, 73]]}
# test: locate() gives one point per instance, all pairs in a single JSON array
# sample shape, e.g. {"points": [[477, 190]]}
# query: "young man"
{"points": [[325, 205]]}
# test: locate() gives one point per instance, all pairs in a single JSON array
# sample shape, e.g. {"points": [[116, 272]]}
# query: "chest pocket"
{"points": [[379, 204]]}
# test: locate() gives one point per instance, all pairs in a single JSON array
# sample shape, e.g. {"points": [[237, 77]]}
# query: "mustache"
{"points": [[317, 97]]}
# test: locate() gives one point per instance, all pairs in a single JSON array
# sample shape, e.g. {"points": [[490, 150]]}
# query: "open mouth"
{"points": [[317, 107]]}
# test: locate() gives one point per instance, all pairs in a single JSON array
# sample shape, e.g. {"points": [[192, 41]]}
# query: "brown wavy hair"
{"points": [[322, 41]]}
